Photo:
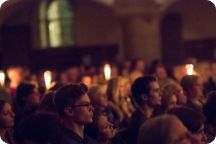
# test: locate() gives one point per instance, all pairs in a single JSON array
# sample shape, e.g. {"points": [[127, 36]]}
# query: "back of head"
{"points": [[23, 91], [96, 91], [188, 81], [192, 119], [141, 86], [47, 103], [157, 130], [67, 95]]}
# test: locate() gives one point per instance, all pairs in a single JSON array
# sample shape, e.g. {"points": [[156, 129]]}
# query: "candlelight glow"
{"points": [[2, 78], [107, 71], [2, 1], [190, 69], [47, 79]]}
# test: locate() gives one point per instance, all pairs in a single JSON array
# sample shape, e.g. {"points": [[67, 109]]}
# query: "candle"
{"points": [[47, 79], [189, 69], [107, 71], [2, 78], [2, 1]]}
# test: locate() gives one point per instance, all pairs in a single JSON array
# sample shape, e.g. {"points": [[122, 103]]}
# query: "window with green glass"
{"points": [[57, 24]]}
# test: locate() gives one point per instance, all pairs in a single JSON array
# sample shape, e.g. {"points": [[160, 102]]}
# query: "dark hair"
{"points": [[2, 103], [47, 103], [134, 63], [188, 81], [55, 87], [209, 108], [68, 95], [154, 65], [91, 129], [192, 119], [141, 86], [23, 91]]}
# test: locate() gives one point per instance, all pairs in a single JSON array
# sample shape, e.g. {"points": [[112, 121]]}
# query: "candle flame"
{"points": [[107, 71], [2, 78], [47, 79], [190, 69], [2, 1]]}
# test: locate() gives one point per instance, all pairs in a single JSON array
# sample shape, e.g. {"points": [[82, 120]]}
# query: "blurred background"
{"points": [[57, 34]]}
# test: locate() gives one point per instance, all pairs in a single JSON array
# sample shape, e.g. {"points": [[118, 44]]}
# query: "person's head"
{"points": [[87, 80], [27, 94], [98, 95], [47, 104], [169, 98], [209, 109], [72, 102], [193, 86], [203, 68], [39, 128], [118, 87], [101, 128], [192, 120], [138, 64], [6, 115], [157, 69], [145, 90], [164, 129], [15, 75], [179, 92]]}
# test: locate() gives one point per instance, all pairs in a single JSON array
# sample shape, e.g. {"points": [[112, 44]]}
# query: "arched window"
{"points": [[56, 24]]}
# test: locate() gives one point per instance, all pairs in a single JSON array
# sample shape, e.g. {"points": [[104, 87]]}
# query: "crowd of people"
{"points": [[140, 104]]}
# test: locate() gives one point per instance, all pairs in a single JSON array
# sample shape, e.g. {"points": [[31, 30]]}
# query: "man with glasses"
{"points": [[74, 106]]}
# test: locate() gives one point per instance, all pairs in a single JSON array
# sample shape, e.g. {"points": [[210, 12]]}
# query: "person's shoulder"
{"points": [[92, 141]]}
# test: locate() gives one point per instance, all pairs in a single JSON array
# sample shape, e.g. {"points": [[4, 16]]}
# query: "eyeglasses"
{"points": [[83, 104]]}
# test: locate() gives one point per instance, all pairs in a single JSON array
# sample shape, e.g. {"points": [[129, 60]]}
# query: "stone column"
{"points": [[141, 36]]}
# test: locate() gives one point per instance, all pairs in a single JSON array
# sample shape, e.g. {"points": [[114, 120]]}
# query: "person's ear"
{"points": [[68, 111]]}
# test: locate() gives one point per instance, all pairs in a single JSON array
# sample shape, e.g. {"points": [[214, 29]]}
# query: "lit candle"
{"points": [[189, 69], [107, 71], [2, 1], [2, 78], [47, 79]]}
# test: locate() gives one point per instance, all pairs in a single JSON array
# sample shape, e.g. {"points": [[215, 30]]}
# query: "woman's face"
{"points": [[6, 116], [124, 88], [173, 101], [105, 128], [102, 99]]}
